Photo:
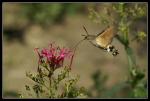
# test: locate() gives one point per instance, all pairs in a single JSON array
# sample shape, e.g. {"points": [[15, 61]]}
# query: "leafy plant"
{"points": [[48, 81]]}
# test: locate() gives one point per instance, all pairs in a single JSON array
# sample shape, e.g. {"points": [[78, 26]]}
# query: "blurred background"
{"points": [[27, 26]]}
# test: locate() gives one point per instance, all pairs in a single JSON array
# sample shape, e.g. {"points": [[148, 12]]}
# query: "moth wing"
{"points": [[94, 43], [105, 38], [102, 31]]}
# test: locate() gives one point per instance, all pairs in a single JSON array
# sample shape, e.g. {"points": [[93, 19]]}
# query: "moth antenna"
{"points": [[85, 30]]}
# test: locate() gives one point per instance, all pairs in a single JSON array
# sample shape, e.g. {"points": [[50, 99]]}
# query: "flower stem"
{"points": [[50, 86]]}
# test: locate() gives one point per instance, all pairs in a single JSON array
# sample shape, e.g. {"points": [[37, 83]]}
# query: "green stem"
{"points": [[129, 52], [37, 95], [50, 86], [130, 56]]}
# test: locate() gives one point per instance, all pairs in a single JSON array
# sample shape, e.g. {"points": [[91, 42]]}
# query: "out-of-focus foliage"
{"points": [[43, 14], [11, 93], [99, 84], [47, 14]]}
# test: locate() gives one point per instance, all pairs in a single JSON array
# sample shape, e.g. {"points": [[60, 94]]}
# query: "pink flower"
{"points": [[54, 56]]}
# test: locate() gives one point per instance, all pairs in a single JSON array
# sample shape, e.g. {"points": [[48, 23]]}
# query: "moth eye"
{"points": [[111, 48]]}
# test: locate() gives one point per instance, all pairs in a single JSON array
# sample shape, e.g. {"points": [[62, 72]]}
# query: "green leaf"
{"points": [[115, 89], [140, 92], [27, 87]]}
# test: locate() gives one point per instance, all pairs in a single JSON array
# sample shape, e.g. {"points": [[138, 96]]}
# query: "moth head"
{"points": [[111, 48], [115, 52]]}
